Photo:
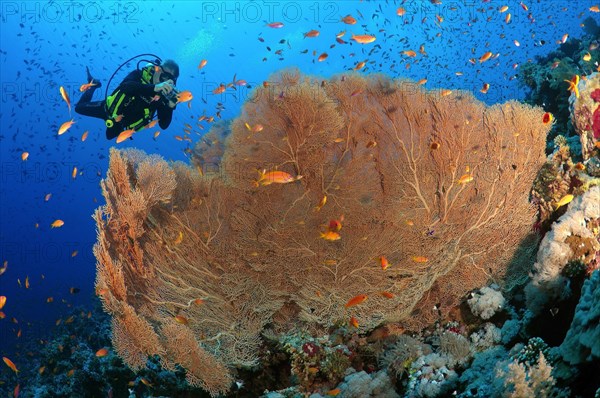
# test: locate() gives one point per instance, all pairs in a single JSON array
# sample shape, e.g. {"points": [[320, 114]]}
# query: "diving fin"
{"points": [[90, 79]]}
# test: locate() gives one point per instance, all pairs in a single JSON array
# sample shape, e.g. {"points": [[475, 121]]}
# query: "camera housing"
{"points": [[172, 96]]}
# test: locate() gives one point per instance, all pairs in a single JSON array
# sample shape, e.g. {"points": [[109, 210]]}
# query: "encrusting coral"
{"points": [[367, 186]]}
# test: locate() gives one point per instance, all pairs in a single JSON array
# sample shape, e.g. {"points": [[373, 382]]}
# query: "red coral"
{"points": [[596, 95], [596, 122]]}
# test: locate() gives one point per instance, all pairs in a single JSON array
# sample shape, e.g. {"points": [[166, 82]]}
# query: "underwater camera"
{"points": [[172, 96]]}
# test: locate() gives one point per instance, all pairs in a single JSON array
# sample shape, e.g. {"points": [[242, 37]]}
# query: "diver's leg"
{"points": [[85, 106], [93, 109]]}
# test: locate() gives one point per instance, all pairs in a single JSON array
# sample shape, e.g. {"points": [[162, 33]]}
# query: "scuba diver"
{"points": [[140, 95]]}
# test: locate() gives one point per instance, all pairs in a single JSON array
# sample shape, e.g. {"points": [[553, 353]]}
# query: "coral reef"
{"points": [[582, 343], [585, 113], [574, 237], [352, 171]]}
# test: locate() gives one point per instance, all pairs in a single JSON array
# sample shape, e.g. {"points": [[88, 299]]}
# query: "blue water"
{"points": [[45, 45]]}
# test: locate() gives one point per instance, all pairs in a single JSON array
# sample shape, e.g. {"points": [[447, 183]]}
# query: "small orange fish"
{"points": [[274, 177], [503, 9], [102, 352], [363, 39], [420, 259], [275, 25], [371, 144], [349, 19], [485, 57], [74, 172], [74, 253], [400, 11], [384, 262], [330, 236], [27, 282], [485, 88], [65, 126], [220, 89], [86, 86], [421, 82], [2, 301], [409, 53], [353, 322], [508, 18], [152, 124], [57, 224], [179, 238], [10, 364], [322, 57], [360, 65], [181, 319], [84, 136], [334, 392], [198, 301], [465, 179], [146, 382], [65, 97], [563, 40], [202, 64], [595, 8], [124, 135], [184, 96], [24, 156], [387, 295], [321, 203], [356, 300], [312, 33]]}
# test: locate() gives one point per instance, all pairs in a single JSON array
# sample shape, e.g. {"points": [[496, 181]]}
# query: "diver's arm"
{"points": [[164, 114], [131, 85]]}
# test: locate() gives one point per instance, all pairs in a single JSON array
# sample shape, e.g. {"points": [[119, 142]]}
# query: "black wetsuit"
{"points": [[132, 110]]}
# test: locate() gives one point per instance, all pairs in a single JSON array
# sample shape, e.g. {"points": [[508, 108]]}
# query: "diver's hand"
{"points": [[164, 88]]}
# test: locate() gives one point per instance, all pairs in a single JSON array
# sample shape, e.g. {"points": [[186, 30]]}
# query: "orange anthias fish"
{"points": [[409, 53], [485, 57], [220, 89], [384, 262], [353, 322], [86, 86], [349, 19], [10, 364], [274, 177], [65, 126], [356, 300], [65, 96], [2, 301], [181, 319], [322, 57], [124, 135], [202, 64], [330, 235], [57, 223], [465, 179], [102, 352], [363, 39], [312, 33], [184, 96]]}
